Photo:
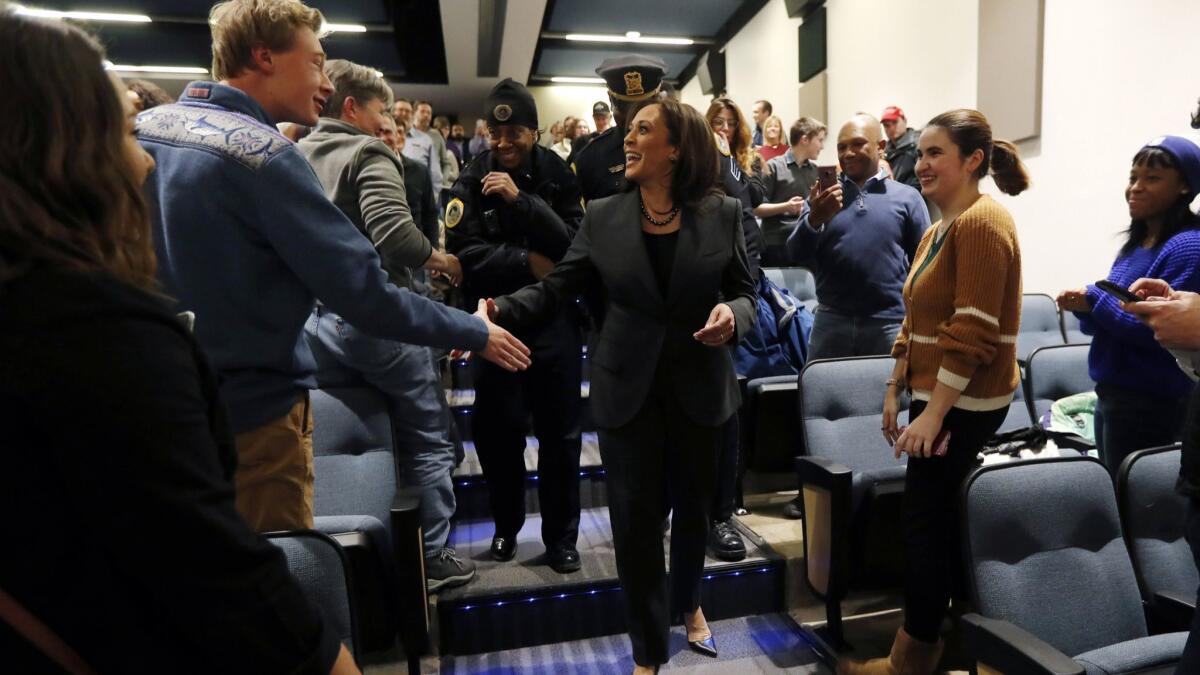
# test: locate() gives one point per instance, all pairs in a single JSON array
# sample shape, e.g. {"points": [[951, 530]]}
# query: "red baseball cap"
{"points": [[892, 113]]}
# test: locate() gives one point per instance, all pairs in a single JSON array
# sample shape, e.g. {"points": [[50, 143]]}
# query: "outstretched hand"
{"points": [[719, 328], [503, 349]]}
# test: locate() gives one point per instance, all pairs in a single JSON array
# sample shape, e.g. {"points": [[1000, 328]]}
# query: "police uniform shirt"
{"points": [[492, 237], [600, 166]]}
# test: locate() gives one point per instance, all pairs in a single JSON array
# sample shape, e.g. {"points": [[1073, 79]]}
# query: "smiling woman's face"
{"points": [[511, 144], [648, 149]]}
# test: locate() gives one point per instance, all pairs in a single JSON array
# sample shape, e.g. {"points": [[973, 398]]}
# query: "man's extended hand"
{"points": [[823, 205], [1174, 320], [500, 183], [502, 348]]}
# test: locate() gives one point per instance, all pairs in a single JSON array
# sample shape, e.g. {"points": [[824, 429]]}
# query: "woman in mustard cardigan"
{"points": [[956, 353]]}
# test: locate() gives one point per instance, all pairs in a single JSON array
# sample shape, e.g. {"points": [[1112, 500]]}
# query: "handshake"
{"points": [[503, 348]]}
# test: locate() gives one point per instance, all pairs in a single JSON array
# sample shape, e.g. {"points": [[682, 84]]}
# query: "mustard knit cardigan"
{"points": [[963, 311]]}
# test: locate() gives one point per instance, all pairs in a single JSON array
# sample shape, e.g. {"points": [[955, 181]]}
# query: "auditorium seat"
{"points": [[357, 501], [771, 435], [321, 567], [851, 483], [1048, 572], [1152, 514], [1056, 372], [1070, 329], [799, 281], [1018, 412], [1040, 325]]}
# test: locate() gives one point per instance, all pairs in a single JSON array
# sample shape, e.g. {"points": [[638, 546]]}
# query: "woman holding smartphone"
{"points": [[1141, 394], [956, 353]]}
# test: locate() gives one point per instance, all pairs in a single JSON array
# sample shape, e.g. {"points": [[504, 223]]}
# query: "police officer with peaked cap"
{"points": [[631, 80], [511, 216]]}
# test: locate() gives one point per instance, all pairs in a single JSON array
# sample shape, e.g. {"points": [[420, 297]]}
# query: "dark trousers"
{"points": [[1128, 420], [504, 401], [659, 446], [776, 255], [1189, 662], [728, 471], [930, 518]]}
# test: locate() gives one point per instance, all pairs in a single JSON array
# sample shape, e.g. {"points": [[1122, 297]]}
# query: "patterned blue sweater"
{"points": [[1124, 352]]}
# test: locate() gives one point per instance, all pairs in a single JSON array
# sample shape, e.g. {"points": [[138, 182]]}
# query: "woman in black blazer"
{"points": [[669, 260]]}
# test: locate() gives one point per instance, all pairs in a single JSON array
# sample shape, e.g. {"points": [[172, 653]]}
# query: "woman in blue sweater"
{"points": [[1141, 393]]}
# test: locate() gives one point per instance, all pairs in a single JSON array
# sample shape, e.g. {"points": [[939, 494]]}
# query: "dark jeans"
{"points": [[1189, 662], [930, 518], [549, 391], [660, 445], [1128, 420], [836, 335]]}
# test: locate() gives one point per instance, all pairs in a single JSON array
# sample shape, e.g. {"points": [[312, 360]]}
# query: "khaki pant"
{"points": [[274, 478]]}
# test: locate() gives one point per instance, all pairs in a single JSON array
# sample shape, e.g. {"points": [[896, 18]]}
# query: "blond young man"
{"points": [[248, 241]]}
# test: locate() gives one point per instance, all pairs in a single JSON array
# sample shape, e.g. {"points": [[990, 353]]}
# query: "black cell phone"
{"points": [[1116, 291], [826, 177]]}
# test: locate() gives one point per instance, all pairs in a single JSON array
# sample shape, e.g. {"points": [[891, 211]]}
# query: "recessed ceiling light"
{"points": [[562, 79], [631, 36], [81, 16], [172, 70], [344, 28]]}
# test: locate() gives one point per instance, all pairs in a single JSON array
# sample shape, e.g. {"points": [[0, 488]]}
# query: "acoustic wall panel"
{"points": [[1010, 66]]}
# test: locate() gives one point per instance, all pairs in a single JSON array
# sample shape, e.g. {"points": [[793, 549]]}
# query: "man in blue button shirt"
{"points": [[858, 238], [247, 240]]}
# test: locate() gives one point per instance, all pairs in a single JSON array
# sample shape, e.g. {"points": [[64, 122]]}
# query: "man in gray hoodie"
{"points": [[365, 179]]}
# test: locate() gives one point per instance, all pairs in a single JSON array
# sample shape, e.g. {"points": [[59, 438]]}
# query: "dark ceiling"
{"points": [[709, 22], [407, 51]]}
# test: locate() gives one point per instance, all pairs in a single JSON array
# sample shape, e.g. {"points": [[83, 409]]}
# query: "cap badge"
{"points": [[502, 112], [633, 83]]}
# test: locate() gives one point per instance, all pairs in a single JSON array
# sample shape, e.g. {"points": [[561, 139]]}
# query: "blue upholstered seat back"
{"points": [[1071, 330], [1153, 514], [353, 453], [1057, 372], [319, 564], [797, 280], [1039, 324], [1044, 551], [841, 409]]}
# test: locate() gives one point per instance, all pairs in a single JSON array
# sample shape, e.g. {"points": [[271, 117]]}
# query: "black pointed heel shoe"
{"points": [[707, 646]]}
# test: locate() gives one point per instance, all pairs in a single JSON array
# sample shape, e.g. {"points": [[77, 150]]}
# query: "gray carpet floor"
{"points": [[757, 644]]}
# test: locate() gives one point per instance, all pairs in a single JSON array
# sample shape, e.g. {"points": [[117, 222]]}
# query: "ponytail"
{"points": [[970, 131], [1007, 169]]}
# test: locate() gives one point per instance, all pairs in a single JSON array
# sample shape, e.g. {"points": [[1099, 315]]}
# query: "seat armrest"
{"points": [[1171, 610], [823, 472], [1007, 648], [412, 594], [825, 504]]}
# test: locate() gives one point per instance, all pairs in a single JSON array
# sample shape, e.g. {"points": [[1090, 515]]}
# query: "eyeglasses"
{"points": [[721, 123]]}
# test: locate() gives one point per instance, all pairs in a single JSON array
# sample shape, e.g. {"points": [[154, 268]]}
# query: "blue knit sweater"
{"points": [[1124, 352]]}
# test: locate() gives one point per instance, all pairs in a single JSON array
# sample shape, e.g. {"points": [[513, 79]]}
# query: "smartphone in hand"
{"points": [[1116, 291], [826, 177]]}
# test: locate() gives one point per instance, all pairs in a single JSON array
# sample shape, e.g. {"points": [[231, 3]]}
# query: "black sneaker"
{"points": [[726, 543], [794, 509], [446, 570]]}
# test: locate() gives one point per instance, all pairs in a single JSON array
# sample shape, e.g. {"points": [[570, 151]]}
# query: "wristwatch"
{"points": [[893, 381]]}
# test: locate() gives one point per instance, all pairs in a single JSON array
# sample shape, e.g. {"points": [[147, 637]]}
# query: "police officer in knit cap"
{"points": [[631, 80], [511, 216]]}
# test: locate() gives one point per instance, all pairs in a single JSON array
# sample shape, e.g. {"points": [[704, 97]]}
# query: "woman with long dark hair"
{"points": [[1141, 394], [669, 259], [113, 429], [726, 119], [956, 354]]}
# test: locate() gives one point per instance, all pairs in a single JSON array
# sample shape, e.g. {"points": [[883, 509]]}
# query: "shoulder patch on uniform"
{"points": [[234, 135], [454, 213]]}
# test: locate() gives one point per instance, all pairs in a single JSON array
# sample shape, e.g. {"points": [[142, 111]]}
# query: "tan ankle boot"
{"points": [[909, 657]]}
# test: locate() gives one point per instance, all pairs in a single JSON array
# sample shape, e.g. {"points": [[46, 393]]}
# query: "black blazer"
{"points": [[641, 327]]}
